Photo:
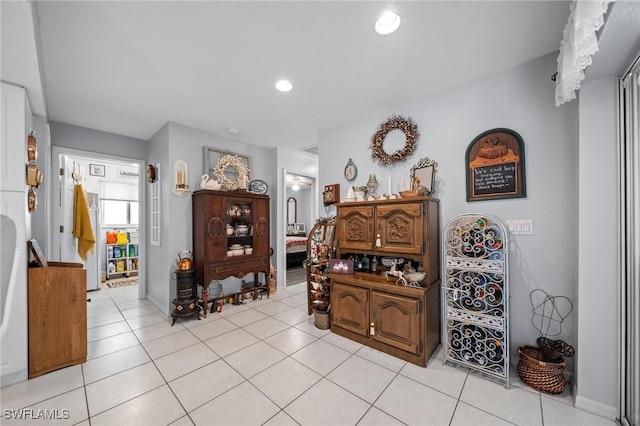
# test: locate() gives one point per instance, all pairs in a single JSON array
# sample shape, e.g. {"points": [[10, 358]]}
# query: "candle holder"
{"points": [[180, 178], [372, 184]]}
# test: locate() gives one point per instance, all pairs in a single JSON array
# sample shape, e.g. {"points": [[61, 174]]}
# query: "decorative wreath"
{"points": [[410, 130], [231, 161]]}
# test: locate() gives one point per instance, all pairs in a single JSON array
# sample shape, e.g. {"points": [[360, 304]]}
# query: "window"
{"points": [[119, 213], [119, 204]]}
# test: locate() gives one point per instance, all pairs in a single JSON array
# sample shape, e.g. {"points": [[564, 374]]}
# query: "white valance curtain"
{"points": [[579, 43]]}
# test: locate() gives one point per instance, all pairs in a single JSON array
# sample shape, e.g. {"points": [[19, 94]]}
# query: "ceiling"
{"points": [[129, 67], [304, 182]]}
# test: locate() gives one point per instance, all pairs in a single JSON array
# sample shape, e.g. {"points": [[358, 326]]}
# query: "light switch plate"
{"points": [[520, 226]]}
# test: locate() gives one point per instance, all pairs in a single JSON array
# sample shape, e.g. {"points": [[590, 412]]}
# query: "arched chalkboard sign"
{"points": [[495, 166]]}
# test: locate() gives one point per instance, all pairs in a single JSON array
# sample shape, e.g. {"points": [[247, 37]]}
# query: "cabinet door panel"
{"points": [[400, 228], [261, 245], [355, 228], [350, 307], [213, 228], [57, 318], [396, 320]]}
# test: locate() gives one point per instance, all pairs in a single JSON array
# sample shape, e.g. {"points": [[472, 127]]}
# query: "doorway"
{"points": [[300, 218], [115, 194]]}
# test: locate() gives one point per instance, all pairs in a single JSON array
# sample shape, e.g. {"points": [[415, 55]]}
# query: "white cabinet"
{"points": [[475, 295], [15, 230]]}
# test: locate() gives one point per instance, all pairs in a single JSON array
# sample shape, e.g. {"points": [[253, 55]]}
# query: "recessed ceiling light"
{"points": [[284, 86], [232, 131], [387, 23]]}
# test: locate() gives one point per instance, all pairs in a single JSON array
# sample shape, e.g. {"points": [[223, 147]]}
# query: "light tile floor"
{"points": [[261, 363]]}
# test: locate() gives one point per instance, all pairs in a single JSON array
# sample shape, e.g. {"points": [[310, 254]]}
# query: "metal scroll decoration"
{"points": [[395, 122], [548, 312], [475, 257], [475, 298]]}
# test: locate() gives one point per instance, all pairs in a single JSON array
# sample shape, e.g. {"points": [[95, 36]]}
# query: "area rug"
{"points": [[120, 282]]}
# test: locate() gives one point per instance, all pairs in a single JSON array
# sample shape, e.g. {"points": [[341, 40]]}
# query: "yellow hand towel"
{"points": [[82, 223]]}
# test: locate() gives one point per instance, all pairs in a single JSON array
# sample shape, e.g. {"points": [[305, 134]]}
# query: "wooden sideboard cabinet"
{"points": [[381, 312], [57, 317], [404, 228], [230, 236]]}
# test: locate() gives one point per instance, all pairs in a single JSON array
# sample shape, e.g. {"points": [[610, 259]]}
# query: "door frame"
{"points": [[629, 242], [282, 224], [56, 151]]}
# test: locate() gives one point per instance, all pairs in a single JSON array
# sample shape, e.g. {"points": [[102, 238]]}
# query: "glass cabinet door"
{"points": [[239, 227]]}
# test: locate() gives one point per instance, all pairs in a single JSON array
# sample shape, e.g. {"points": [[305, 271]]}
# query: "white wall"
{"points": [[521, 99], [303, 198], [41, 217]]}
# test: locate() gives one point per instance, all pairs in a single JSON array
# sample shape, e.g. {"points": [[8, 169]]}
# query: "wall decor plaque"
{"points": [[495, 166]]}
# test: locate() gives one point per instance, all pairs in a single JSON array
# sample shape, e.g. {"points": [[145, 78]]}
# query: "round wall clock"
{"points": [[350, 170]]}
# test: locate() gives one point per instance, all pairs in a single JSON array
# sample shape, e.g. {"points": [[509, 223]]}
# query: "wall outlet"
{"points": [[520, 226]]}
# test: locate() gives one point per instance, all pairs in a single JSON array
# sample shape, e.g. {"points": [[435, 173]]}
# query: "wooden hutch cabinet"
{"points": [[381, 312], [230, 236]]}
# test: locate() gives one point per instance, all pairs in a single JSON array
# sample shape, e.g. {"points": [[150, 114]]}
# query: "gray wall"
{"points": [[75, 137], [521, 99], [158, 277], [178, 142], [571, 197], [597, 361]]}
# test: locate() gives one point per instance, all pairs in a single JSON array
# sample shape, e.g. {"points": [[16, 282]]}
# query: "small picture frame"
{"points": [[341, 266], [96, 169], [299, 228]]}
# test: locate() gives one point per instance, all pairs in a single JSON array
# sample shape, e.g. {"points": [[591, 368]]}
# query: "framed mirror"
{"points": [[423, 175], [292, 213], [231, 175]]}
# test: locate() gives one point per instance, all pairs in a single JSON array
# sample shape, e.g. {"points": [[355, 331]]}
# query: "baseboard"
{"points": [[13, 378], [160, 307], [595, 407]]}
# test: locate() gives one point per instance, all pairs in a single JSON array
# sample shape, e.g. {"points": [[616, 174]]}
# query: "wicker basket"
{"points": [[547, 377]]}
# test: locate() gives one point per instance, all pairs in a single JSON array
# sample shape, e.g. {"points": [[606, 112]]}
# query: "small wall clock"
{"points": [[350, 171]]}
